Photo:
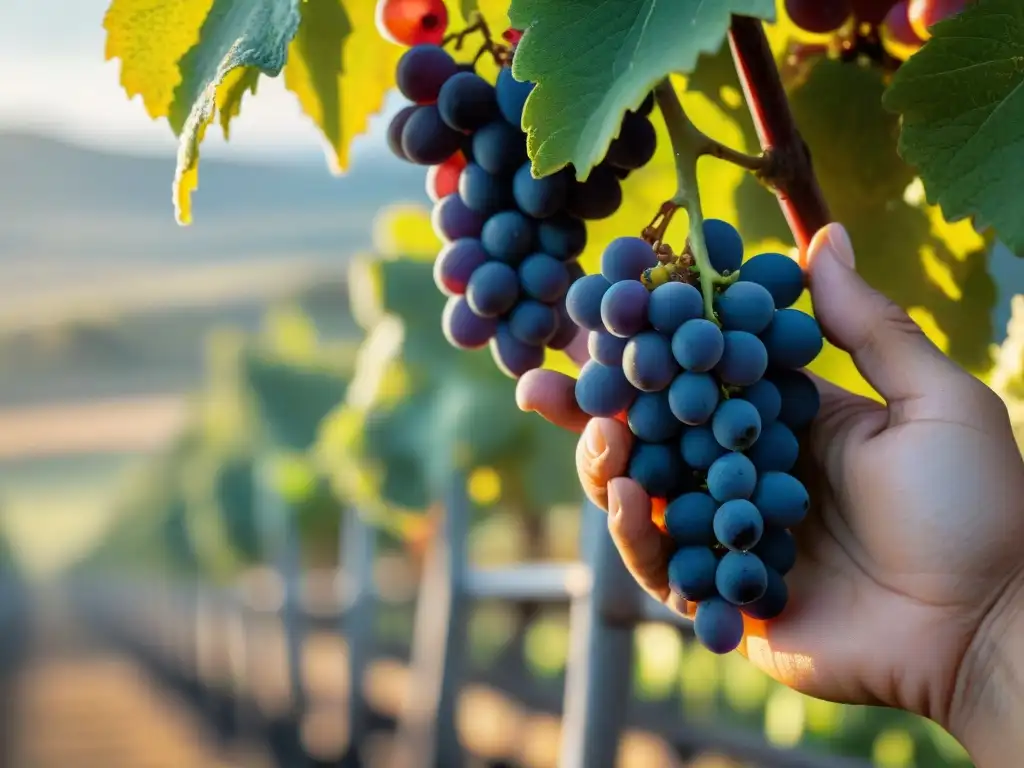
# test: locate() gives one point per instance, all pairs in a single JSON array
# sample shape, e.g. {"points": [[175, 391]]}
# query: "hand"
{"points": [[910, 561]]}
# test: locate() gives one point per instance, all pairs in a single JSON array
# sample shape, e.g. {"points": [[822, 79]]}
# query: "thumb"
{"points": [[887, 346]]}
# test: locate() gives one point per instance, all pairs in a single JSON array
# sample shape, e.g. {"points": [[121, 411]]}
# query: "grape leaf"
{"points": [[962, 101], [340, 68], [231, 92], [148, 69], [236, 33], [468, 7], [594, 59]]}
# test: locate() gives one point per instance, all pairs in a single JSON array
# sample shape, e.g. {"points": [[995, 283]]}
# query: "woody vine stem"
{"points": [[784, 163]]}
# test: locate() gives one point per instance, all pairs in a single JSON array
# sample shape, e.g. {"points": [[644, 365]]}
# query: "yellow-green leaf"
{"points": [[230, 94], [340, 69], [237, 33], [150, 37]]}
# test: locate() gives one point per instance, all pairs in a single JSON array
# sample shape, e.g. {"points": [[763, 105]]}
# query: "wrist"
{"points": [[987, 706]]}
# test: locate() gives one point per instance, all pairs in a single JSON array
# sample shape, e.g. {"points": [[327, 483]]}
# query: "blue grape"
{"points": [[567, 329], [648, 363], [691, 573], [624, 308], [493, 289], [483, 192], [456, 264], [718, 626], [725, 246], [467, 102], [422, 71], [733, 476], [764, 396], [657, 468], [533, 323], [584, 299], [741, 578], [780, 275], [736, 424], [606, 349], [596, 198], [562, 236], [744, 359], [776, 450], [793, 339], [426, 139], [603, 390], [700, 449], [499, 148], [745, 307], [800, 398], [693, 397], [575, 271], [543, 278], [512, 356], [635, 145], [650, 418], [698, 345], [509, 236], [673, 304], [774, 600], [689, 520], [540, 198], [626, 258], [463, 328], [395, 128], [454, 220], [738, 525], [777, 549], [782, 499], [512, 96]]}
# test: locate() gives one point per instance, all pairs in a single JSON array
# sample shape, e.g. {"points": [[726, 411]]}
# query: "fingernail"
{"points": [[842, 248], [595, 441]]}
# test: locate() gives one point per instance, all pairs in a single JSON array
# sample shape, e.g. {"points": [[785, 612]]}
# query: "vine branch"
{"points": [[689, 144], [792, 174]]}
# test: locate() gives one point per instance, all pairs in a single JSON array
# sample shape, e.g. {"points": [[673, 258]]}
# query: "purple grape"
{"points": [[776, 450], [741, 578], [700, 449], [512, 356], [744, 359], [736, 425], [648, 363], [463, 328], [733, 477], [718, 626], [745, 307], [793, 339], [698, 345], [543, 278], [764, 396], [689, 520], [567, 329], [693, 397], [453, 220], [626, 258], [605, 348], [533, 323], [456, 264], [584, 299], [624, 308], [673, 304], [603, 390], [493, 289]]}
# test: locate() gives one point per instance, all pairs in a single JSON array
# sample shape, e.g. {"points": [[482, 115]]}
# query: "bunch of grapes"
{"points": [[715, 406], [905, 22], [511, 240]]}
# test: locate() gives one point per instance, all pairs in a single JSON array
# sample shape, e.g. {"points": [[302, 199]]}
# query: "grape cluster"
{"points": [[511, 240], [715, 407], [905, 22]]}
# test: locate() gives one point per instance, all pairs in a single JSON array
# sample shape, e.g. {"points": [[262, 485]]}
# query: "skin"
{"points": [[909, 588]]}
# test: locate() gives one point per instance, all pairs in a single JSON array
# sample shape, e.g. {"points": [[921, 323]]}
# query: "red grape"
{"points": [[412, 22], [899, 28], [871, 11], [443, 179], [819, 16], [924, 13], [512, 36]]}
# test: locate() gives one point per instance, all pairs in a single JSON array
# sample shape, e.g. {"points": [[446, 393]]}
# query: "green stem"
{"points": [[688, 146]]}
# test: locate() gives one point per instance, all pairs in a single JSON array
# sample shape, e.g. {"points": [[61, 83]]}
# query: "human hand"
{"points": [[910, 567]]}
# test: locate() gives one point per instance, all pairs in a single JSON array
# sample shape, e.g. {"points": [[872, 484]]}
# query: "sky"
{"points": [[54, 80]]}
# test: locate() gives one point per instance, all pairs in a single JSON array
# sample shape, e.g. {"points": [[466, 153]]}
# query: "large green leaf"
{"points": [[962, 101], [594, 59], [236, 34]]}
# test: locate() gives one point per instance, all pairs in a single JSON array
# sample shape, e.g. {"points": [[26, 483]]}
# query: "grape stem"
{"points": [[689, 144], [477, 23], [791, 175]]}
